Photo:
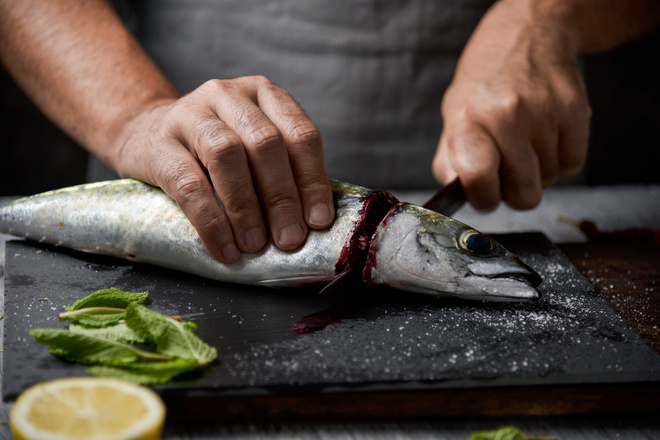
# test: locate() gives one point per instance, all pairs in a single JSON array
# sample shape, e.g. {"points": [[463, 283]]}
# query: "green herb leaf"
{"points": [[118, 332], [111, 297], [146, 373], [503, 433], [169, 336], [91, 350], [93, 319], [104, 326], [190, 326]]}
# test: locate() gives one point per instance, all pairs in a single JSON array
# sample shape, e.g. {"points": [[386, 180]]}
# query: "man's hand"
{"points": [[245, 139], [260, 151], [516, 116]]}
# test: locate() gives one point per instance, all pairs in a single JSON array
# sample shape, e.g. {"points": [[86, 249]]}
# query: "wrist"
{"points": [[590, 26], [125, 130]]}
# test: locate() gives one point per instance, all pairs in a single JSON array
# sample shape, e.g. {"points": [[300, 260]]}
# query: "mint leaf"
{"points": [[169, 336], [503, 433], [91, 350], [119, 332], [93, 319], [190, 326], [107, 323], [146, 374], [111, 297]]}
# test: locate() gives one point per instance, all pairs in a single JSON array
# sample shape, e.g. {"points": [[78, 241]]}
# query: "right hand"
{"points": [[516, 115], [260, 150]]}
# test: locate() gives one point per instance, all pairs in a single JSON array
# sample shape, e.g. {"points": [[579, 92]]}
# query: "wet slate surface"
{"points": [[384, 340]]}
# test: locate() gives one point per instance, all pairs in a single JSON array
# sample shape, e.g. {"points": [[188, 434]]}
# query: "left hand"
{"points": [[516, 115]]}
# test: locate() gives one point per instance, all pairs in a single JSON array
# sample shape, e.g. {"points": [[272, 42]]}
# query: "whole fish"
{"points": [[397, 244]]}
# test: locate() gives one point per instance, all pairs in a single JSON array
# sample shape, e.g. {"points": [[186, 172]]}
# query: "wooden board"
{"points": [[390, 352]]}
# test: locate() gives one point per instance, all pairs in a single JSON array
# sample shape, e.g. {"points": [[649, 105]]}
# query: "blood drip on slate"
{"points": [[376, 206]]}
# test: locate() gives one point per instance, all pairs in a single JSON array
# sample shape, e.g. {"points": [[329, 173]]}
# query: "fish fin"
{"points": [[296, 281], [344, 282]]}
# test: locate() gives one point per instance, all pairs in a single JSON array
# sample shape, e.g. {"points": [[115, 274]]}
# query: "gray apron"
{"points": [[371, 74]]}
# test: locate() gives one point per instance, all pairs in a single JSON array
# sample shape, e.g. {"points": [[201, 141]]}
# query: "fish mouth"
{"points": [[506, 282], [503, 288], [530, 278]]}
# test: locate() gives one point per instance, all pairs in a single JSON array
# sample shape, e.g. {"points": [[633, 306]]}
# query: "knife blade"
{"points": [[448, 199]]}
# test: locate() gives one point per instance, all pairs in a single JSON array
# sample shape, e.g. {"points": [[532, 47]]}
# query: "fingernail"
{"points": [[320, 215], [291, 235], [231, 252], [254, 239]]}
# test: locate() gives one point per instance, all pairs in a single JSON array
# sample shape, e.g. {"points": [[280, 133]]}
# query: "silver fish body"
{"points": [[130, 219]]}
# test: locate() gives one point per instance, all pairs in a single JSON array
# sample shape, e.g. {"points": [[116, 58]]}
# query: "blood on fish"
{"points": [[376, 206]]}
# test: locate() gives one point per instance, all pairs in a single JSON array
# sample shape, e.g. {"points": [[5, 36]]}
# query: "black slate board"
{"points": [[385, 341]]}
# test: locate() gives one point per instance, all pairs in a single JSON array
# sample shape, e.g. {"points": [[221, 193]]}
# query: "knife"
{"points": [[448, 199]]}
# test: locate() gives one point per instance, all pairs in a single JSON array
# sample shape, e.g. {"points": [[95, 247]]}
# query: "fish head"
{"points": [[419, 250]]}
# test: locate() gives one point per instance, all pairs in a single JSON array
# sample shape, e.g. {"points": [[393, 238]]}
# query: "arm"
{"points": [[85, 71], [516, 116]]}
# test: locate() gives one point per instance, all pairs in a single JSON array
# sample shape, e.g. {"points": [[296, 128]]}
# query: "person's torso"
{"points": [[370, 74]]}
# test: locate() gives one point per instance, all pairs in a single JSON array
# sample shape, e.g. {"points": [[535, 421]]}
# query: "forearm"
{"points": [[79, 64], [587, 26]]}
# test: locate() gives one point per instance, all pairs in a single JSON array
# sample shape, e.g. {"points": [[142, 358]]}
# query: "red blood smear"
{"points": [[376, 206], [646, 236], [318, 321]]}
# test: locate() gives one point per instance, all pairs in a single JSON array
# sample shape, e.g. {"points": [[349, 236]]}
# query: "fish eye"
{"points": [[476, 243]]}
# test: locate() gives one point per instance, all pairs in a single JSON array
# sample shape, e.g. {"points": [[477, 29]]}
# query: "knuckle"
{"points": [[476, 177], [205, 130], [223, 147], [505, 107], [210, 222], [582, 112], [510, 107], [240, 198], [577, 108], [218, 142], [303, 134], [311, 181], [262, 80], [255, 81], [187, 185], [213, 86], [545, 105], [266, 138], [281, 200]]}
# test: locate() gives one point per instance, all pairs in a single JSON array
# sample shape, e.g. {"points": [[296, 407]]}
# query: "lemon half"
{"points": [[87, 408]]}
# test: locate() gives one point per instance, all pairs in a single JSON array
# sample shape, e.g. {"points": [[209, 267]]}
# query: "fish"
{"points": [[393, 243]]}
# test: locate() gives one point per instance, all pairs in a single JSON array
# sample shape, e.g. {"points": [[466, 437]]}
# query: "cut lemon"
{"points": [[87, 408]]}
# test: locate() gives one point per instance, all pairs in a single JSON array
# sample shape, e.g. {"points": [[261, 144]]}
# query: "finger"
{"points": [[221, 152], [476, 160], [443, 171], [545, 146], [180, 176], [305, 150], [544, 137], [574, 139], [520, 172], [522, 187], [268, 160]]}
